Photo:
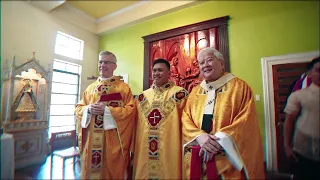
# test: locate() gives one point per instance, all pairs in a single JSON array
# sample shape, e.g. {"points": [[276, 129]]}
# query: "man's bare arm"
{"points": [[288, 133]]}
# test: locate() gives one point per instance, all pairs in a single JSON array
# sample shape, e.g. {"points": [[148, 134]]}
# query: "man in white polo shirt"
{"points": [[301, 129]]}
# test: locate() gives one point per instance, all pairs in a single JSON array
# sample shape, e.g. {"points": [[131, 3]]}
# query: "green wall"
{"points": [[256, 30]]}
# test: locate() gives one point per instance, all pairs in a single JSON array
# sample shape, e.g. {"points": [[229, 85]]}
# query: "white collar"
{"points": [[217, 83], [211, 89], [104, 79]]}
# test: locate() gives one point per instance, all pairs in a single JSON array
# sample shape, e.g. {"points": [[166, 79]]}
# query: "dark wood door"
{"points": [[284, 75]]}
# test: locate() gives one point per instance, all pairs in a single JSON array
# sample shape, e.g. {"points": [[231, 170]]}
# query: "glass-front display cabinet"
{"points": [[25, 110]]}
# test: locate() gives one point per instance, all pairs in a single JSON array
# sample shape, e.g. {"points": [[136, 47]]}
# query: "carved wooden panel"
{"points": [[180, 47], [27, 146], [30, 147], [34, 64], [22, 126]]}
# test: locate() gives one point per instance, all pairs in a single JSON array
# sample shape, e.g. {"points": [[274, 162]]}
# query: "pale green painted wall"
{"points": [[256, 30]]}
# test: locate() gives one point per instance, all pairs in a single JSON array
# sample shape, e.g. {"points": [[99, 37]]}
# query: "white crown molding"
{"points": [[139, 12], [76, 17], [121, 11], [79, 12], [47, 6], [133, 14]]}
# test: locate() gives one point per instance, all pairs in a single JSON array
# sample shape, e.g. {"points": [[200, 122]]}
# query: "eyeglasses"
{"points": [[106, 62]]}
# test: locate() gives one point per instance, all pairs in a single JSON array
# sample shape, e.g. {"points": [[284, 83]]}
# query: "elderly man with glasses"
{"points": [[106, 117]]}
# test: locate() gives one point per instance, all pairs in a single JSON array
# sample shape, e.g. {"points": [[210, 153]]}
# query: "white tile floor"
{"points": [[43, 171]]}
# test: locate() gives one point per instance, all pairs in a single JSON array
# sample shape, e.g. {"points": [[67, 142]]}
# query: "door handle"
{"points": [[279, 124]]}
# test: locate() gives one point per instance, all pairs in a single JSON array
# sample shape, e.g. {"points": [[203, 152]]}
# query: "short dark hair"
{"points": [[160, 60], [313, 62]]}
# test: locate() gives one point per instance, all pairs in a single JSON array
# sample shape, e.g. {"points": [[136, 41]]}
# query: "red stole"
{"points": [[196, 166], [196, 161]]}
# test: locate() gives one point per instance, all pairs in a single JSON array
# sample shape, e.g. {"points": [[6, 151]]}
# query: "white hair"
{"points": [[211, 50], [108, 53]]}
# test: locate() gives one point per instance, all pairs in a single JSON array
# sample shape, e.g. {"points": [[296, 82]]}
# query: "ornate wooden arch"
{"points": [[181, 45]]}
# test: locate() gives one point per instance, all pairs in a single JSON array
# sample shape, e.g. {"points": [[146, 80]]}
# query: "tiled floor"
{"points": [[43, 171]]}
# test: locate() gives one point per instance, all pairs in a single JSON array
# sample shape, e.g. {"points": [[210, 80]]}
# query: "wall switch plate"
{"points": [[257, 97]]}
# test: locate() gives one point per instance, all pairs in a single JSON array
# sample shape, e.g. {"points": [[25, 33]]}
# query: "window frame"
{"points": [[78, 75], [67, 46]]}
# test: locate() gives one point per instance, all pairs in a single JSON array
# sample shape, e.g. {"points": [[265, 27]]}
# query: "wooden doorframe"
{"points": [[268, 95]]}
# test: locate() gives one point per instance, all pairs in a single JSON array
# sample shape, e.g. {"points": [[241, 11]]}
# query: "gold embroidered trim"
{"points": [[155, 114], [110, 80]]}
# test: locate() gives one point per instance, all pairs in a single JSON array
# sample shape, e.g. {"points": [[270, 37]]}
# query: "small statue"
{"points": [[25, 104]]}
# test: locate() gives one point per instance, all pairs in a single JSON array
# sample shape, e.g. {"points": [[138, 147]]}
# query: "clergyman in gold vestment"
{"points": [[158, 138], [105, 116], [220, 119]]}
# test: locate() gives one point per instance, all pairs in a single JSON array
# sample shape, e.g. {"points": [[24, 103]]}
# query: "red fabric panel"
{"points": [[196, 166], [110, 97]]}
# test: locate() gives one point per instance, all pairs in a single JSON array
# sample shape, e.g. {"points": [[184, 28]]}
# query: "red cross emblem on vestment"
{"points": [[96, 158], [154, 117]]}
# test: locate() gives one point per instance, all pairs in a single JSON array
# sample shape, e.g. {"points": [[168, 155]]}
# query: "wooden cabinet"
{"points": [[26, 111]]}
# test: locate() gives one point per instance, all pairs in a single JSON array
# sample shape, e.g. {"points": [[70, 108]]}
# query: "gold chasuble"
{"points": [[105, 153], [158, 138], [234, 116]]}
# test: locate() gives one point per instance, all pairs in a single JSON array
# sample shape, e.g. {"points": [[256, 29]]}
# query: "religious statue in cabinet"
{"points": [[26, 110]]}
